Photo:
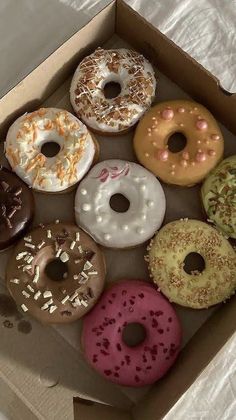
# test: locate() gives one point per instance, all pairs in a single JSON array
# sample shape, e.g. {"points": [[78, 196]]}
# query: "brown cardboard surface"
{"points": [[23, 359], [87, 410]]}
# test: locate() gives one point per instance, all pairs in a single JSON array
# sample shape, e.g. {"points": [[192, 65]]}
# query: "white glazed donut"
{"points": [[126, 67], [108, 227], [30, 132]]}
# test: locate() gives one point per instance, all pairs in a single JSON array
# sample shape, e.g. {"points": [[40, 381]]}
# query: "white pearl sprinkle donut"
{"points": [[30, 132], [108, 227], [137, 81]]}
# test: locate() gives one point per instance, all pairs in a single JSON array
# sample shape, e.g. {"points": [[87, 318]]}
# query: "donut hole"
{"points": [[194, 263], [119, 203], [112, 90], [50, 149], [56, 270], [134, 334], [176, 142]]}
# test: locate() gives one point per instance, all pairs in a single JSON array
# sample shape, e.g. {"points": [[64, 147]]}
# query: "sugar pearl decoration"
{"points": [[146, 154], [200, 157], [107, 236], [83, 191], [201, 125], [142, 187], [162, 155], [150, 203], [125, 227], [99, 219], [167, 114], [86, 207], [140, 230], [211, 152], [183, 163], [181, 110], [215, 137]]}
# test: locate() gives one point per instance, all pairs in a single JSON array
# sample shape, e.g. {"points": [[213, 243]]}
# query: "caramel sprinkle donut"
{"points": [[56, 273], [16, 208], [204, 147], [30, 132], [166, 258], [116, 115]]}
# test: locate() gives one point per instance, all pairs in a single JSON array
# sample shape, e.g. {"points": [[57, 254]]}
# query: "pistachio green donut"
{"points": [[219, 196], [166, 255]]}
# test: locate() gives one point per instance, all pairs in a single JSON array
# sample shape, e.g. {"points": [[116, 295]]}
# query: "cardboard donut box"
{"points": [[40, 377]]}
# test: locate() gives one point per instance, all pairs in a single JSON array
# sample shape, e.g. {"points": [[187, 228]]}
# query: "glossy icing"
{"points": [[108, 227]]}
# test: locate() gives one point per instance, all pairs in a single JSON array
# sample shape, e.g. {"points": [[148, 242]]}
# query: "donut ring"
{"points": [[53, 299], [110, 228], [127, 302], [204, 148], [166, 255], [218, 196], [30, 132], [117, 115], [16, 208]]}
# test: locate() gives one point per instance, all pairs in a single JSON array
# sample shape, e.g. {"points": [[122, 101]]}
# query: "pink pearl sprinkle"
{"points": [[162, 155], [215, 137], [211, 152], [200, 157], [167, 114], [185, 155], [181, 110], [201, 125]]}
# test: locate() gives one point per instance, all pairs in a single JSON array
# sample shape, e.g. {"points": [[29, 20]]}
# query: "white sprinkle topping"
{"points": [[84, 275], [24, 307], [57, 221], [77, 261], [84, 303], [92, 273], [76, 302], [65, 299], [25, 294], [75, 276], [64, 257], [28, 239], [16, 281], [47, 294], [21, 255], [49, 233], [27, 267], [52, 308], [77, 236], [44, 307], [72, 245], [37, 294], [32, 246], [36, 276], [58, 253], [80, 249], [49, 302], [72, 297], [41, 244], [29, 259], [87, 265], [30, 288]]}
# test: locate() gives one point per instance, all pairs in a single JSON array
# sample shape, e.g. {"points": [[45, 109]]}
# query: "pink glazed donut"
{"points": [[128, 302]]}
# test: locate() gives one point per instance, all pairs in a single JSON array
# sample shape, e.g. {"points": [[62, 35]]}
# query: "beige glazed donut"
{"points": [[204, 142]]}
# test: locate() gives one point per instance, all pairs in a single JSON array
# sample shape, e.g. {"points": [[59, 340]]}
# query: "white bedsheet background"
{"points": [[31, 29]]}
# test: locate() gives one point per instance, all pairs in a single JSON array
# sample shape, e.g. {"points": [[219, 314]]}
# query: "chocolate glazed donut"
{"points": [[16, 208], [56, 273]]}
